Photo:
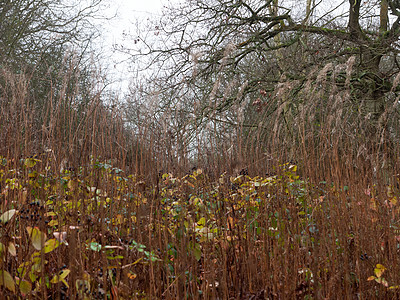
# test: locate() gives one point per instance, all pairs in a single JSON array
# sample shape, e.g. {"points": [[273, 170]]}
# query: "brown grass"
{"points": [[313, 228]]}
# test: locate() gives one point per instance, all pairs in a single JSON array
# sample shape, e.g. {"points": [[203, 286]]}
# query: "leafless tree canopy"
{"points": [[255, 70]]}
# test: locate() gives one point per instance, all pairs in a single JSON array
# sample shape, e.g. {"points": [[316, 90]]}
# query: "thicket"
{"points": [[274, 189], [83, 216]]}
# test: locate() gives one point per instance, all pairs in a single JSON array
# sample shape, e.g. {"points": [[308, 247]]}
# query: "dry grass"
{"points": [[317, 227]]}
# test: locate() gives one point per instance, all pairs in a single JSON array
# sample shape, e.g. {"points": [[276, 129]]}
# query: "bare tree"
{"points": [[223, 59], [48, 46], [30, 29]]}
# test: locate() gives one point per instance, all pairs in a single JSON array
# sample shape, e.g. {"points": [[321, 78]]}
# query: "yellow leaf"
{"points": [[134, 263], [373, 205], [393, 200], [5, 217], [50, 245], [2, 249], [390, 192], [11, 249], [202, 221], [38, 238], [60, 277], [394, 287], [7, 280], [379, 266], [63, 281], [24, 286], [30, 162], [370, 278], [379, 270], [53, 223]]}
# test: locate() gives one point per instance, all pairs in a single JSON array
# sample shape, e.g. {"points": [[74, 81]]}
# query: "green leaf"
{"points": [[5, 217], [95, 246], [7, 280], [382, 281], [115, 257], [32, 276], [154, 258], [197, 253], [50, 245], [37, 237], [202, 221]]}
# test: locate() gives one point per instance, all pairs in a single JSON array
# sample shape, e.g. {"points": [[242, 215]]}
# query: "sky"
{"points": [[127, 13]]}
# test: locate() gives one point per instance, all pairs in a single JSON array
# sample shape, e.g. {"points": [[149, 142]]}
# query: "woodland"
{"points": [[255, 154]]}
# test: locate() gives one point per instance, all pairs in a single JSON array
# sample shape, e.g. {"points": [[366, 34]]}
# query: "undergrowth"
{"points": [[98, 232], [91, 210]]}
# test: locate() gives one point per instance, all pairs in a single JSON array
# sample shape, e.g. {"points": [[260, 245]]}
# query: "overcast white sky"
{"points": [[127, 13]]}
